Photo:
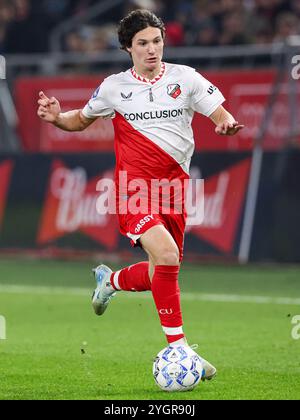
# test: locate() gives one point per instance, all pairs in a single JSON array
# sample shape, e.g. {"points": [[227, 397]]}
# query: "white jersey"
{"points": [[152, 119]]}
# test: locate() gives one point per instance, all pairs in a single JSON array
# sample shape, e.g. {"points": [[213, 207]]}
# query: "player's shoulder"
{"points": [[185, 75], [116, 78], [179, 69]]}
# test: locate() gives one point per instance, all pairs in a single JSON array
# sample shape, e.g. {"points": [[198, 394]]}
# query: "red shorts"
{"points": [[134, 225]]}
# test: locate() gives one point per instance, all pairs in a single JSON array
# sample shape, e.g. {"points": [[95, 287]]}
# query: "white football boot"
{"points": [[104, 290], [209, 370]]}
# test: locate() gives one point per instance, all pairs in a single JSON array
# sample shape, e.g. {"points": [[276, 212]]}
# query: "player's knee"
{"points": [[168, 257]]}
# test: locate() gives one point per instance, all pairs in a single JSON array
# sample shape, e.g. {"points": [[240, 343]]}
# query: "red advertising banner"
{"points": [[224, 197], [246, 94], [73, 93], [70, 207], [62, 210], [5, 175]]}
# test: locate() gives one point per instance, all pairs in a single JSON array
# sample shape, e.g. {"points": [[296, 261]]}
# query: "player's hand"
{"points": [[228, 129], [49, 109]]}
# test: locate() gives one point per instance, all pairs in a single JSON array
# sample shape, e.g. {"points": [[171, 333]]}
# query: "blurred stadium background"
{"points": [[250, 50]]}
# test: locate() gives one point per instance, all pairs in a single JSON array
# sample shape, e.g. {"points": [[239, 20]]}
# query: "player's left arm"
{"points": [[225, 123]]}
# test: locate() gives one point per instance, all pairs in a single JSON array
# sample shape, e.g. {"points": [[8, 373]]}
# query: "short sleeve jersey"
{"points": [[153, 119]]}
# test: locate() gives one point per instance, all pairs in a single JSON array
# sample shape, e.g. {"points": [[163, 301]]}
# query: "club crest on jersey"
{"points": [[126, 97], [174, 90]]}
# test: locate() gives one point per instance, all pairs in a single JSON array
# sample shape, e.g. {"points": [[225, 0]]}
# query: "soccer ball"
{"points": [[177, 368]]}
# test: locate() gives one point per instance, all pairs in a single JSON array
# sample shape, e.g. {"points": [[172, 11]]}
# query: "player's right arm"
{"points": [[50, 111]]}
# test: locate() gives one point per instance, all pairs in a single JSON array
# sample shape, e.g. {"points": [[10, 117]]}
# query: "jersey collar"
{"points": [[144, 79]]}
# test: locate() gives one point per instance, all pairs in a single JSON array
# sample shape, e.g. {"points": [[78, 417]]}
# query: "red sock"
{"points": [[166, 294], [134, 278]]}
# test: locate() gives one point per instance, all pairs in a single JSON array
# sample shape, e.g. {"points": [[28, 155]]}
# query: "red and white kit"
{"points": [[153, 134]]}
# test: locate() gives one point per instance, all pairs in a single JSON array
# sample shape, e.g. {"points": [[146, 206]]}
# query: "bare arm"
{"points": [[72, 120], [225, 123], [49, 110]]}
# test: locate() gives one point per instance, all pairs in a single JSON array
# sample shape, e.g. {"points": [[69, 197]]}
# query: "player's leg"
{"points": [[151, 268], [134, 278], [164, 256]]}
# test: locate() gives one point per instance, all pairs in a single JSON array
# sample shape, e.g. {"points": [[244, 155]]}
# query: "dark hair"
{"points": [[135, 22]]}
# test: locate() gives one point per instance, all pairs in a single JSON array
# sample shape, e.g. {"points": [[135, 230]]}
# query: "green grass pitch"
{"points": [[56, 348]]}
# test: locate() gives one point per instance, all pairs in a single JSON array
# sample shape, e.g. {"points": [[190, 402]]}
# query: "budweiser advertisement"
{"points": [[52, 202], [246, 93], [224, 196], [60, 207], [70, 206], [6, 168]]}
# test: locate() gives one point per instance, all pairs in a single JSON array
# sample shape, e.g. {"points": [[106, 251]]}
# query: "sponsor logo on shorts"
{"points": [[143, 222]]}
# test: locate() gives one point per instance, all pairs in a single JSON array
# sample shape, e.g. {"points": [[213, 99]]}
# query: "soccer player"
{"points": [[152, 106]]}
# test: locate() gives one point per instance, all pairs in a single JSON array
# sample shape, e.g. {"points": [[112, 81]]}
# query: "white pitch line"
{"points": [[204, 297], [44, 290], [242, 298]]}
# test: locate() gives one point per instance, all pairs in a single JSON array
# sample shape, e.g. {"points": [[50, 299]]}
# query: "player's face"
{"points": [[147, 50]]}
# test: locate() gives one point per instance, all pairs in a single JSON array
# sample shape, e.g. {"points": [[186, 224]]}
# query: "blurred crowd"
{"points": [[26, 25]]}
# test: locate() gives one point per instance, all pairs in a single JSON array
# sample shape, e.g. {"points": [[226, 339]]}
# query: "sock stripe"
{"points": [[172, 331], [173, 338], [115, 280]]}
